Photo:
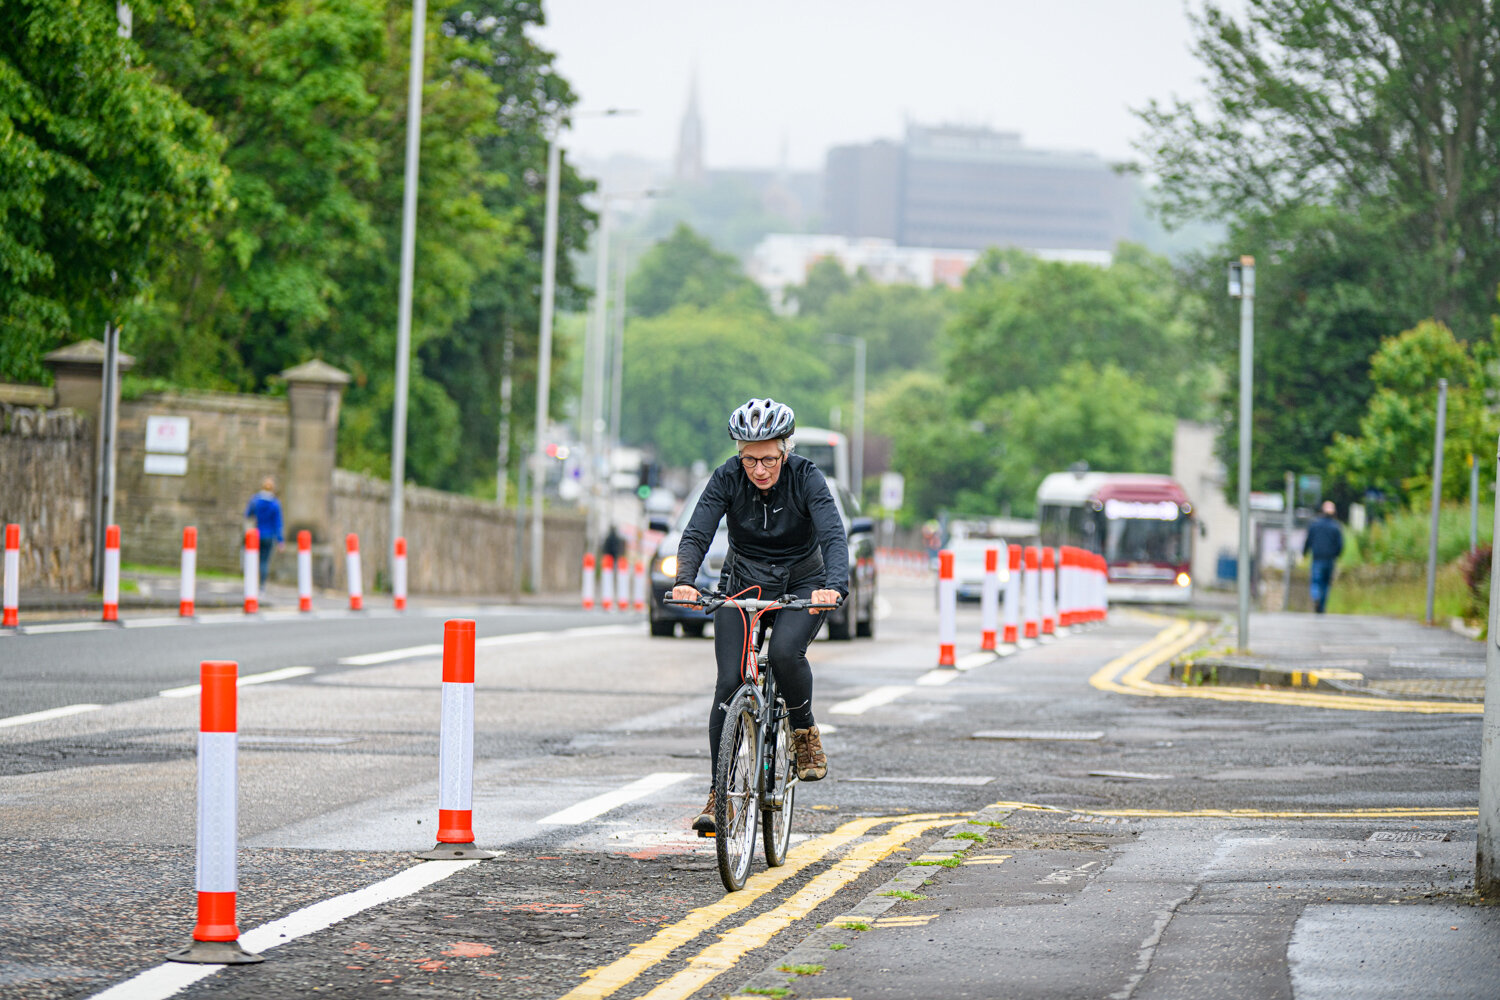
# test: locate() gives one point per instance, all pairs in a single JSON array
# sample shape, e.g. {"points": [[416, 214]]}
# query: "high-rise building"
{"points": [[974, 188], [689, 163]]}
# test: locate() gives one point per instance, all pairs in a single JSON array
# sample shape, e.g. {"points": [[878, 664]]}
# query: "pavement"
{"points": [[1355, 654]]}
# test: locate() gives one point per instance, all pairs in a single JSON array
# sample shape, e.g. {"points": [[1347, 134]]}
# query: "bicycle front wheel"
{"points": [[736, 803], [776, 824]]}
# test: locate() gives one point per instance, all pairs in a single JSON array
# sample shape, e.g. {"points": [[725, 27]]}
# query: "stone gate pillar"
{"points": [[314, 391]]}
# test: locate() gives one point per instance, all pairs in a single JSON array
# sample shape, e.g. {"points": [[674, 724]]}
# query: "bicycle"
{"points": [[755, 730]]}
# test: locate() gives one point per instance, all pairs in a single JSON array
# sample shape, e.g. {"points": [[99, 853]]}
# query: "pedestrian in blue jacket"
{"points": [[1325, 540], [265, 510]]}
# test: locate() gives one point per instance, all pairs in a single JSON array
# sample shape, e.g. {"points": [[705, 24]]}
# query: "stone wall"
{"points": [[46, 486], [455, 544], [234, 442]]}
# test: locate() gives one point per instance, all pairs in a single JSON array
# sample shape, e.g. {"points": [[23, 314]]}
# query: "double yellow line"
{"points": [[722, 956], [1128, 674]]}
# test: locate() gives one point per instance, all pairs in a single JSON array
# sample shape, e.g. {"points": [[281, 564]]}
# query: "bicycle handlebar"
{"points": [[712, 602]]}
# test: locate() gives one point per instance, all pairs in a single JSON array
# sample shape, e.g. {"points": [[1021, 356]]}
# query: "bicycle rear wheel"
{"points": [[776, 824], [736, 802]]}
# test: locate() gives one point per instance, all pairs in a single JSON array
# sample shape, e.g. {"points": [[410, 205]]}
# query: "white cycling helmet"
{"points": [[762, 420]]}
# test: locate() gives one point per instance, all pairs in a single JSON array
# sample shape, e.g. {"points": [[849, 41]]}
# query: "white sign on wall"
{"points": [[892, 490], [166, 446]]}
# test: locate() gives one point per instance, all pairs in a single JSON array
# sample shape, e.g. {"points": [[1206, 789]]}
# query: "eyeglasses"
{"points": [[768, 462]]}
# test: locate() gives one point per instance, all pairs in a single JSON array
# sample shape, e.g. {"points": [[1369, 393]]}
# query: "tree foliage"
{"points": [[102, 165], [1393, 451], [686, 269]]}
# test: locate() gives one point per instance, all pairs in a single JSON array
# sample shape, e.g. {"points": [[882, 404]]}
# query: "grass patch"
{"points": [[200, 572], [775, 991], [837, 946], [903, 894], [968, 836], [1400, 594], [801, 970], [855, 925], [952, 862], [993, 823]]}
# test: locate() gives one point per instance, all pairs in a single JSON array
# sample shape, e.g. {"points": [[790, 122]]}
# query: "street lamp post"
{"points": [[408, 263], [544, 346], [1242, 287]]}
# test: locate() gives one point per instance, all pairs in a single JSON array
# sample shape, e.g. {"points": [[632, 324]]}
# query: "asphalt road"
{"points": [[1126, 844]]}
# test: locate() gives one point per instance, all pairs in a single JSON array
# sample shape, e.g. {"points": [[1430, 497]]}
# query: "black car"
{"points": [[856, 616]]}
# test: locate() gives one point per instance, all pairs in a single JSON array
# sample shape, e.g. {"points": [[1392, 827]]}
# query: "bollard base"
{"points": [[214, 953], [456, 852]]}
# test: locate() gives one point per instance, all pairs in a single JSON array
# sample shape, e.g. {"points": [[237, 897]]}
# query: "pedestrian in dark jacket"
{"points": [[265, 510], [1325, 541]]}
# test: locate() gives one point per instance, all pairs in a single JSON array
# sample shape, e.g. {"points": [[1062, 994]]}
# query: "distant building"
{"points": [[971, 188], [689, 162], [783, 260]]}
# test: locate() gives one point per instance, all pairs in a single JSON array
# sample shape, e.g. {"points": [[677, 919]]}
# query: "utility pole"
{"points": [[1487, 850], [1288, 522], [1473, 504], [1242, 287], [1437, 492], [544, 360], [408, 266]]}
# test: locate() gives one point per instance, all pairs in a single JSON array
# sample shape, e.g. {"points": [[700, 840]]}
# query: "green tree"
{"points": [[1392, 453], [902, 326], [826, 281], [1383, 109], [686, 270], [1020, 321], [942, 455], [102, 165], [687, 369]]}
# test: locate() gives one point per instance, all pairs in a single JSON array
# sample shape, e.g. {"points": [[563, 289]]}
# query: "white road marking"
{"points": [[151, 622], [600, 804], [64, 627], [971, 660], [871, 699], [270, 676], [169, 978], [488, 642], [944, 779], [933, 678], [51, 713]]}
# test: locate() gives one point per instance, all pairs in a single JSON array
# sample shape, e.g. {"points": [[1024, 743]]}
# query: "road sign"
{"points": [[892, 489]]}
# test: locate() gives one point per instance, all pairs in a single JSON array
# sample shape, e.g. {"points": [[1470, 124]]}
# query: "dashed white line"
{"points": [[51, 713], [600, 804], [933, 678], [270, 676], [164, 980], [63, 627], [489, 642], [870, 699]]}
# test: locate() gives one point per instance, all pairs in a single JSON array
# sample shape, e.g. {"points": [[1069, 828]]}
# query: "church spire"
{"points": [[689, 165]]}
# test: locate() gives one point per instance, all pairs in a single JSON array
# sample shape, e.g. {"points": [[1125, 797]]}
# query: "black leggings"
{"points": [[790, 634]]}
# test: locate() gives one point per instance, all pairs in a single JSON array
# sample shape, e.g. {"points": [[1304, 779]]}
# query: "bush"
{"points": [[1476, 568], [1402, 537]]}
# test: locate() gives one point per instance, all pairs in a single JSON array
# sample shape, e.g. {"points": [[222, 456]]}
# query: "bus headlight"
{"points": [[1183, 580], [668, 567]]}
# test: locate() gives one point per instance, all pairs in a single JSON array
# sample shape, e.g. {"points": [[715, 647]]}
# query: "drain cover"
{"points": [[1079, 735], [1407, 836]]}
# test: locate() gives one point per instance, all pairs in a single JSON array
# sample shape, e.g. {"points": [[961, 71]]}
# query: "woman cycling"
{"points": [[785, 537]]}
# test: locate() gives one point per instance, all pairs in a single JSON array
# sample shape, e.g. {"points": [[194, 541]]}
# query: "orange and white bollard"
{"points": [[989, 600], [455, 836], [12, 613], [354, 572], [1049, 592], [112, 573], [304, 570], [607, 583], [588, 581], [1103, 589], [1012, 632], [947, 610], [398, 575], [1064, 587], [215, 936], [187, 591], [251, 568], [640, 585], [1032, 593], [622, 584]]}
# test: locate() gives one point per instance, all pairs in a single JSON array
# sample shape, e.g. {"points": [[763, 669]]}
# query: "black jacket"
{"points": [[792, 521], [1325, 539]]}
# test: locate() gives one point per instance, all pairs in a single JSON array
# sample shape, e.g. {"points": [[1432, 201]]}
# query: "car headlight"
{"points": [[668, 567], [1183, 580]]}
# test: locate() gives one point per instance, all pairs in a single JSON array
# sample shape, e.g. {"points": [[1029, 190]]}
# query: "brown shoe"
{"points": [[704, 824], [812, 763]]}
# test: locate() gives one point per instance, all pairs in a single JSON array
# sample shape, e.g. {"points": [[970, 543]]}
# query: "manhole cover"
{"points": [[1078, 735], [1404, 836], [1099, 820], [1383, 852]]}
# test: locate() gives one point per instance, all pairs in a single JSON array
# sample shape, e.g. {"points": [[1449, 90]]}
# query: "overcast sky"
{"points": [[811, 74]]}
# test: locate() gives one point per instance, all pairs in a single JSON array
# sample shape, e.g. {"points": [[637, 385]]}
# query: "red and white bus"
{"points": [[1142, 524]]}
